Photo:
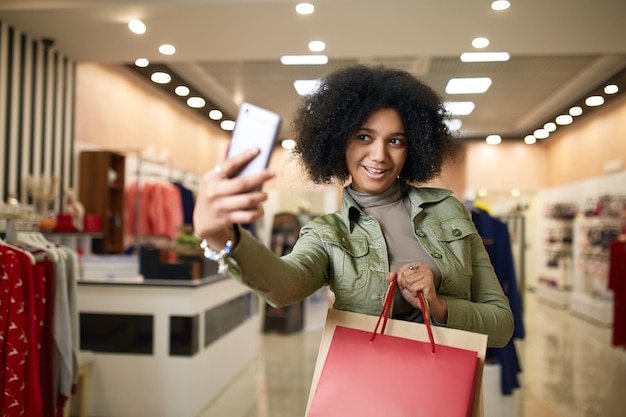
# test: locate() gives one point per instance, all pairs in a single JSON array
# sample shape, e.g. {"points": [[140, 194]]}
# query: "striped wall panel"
{"points": [[36, 119]]}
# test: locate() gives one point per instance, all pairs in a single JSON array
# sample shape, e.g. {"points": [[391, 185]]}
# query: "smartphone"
{"points": [[254, 127]]}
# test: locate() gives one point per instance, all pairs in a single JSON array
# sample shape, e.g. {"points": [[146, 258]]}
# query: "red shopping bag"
{"points": [[408, 369]]}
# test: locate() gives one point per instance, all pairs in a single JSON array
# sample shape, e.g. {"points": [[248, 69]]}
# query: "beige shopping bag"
{"points": [[407, 330]]}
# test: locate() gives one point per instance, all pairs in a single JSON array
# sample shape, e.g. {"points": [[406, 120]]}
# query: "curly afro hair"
{"points": [[344, 101]]}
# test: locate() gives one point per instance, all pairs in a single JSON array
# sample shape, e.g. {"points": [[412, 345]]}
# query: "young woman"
{"points": [[384, 131]]}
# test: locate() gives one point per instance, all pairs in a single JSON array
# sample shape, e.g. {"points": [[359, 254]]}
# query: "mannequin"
{"points": [[75, 209]]}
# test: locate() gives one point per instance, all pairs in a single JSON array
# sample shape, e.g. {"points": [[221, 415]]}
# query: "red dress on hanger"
{"points": [[617, 283]]}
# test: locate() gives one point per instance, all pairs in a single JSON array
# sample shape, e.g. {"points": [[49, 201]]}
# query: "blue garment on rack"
{"points": [[496, 238], [188, 201]]}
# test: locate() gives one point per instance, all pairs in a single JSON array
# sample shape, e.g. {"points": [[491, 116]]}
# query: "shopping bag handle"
{"points": [[386, 310]]}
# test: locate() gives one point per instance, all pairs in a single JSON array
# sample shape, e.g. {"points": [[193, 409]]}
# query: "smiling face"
{"points": [[376, 152]]}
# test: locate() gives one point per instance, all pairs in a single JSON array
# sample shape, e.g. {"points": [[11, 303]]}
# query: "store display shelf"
{"points": [[597, 311], [553, 296]]}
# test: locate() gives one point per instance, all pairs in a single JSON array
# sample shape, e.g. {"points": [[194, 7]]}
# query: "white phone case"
{"points": [[254, 127]]}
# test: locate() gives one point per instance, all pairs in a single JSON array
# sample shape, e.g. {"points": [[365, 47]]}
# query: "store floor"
{"points": [[570, 369]]}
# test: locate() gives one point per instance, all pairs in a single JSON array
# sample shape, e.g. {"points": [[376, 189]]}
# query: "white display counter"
{"points": [[165, 348]]}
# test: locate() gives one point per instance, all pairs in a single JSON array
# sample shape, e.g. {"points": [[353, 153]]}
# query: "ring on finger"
{"points": [[413, 267], [218, 170]]}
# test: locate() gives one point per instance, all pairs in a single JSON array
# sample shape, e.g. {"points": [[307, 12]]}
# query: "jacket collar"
{"points": [[350, 210]]}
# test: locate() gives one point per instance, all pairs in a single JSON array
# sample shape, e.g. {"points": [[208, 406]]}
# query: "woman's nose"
{"points": [[378, 151]]}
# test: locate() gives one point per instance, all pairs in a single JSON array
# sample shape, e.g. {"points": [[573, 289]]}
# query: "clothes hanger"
{"points": [[30, 256], [34, 241]]}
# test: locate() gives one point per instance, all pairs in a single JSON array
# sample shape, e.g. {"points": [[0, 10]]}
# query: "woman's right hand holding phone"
{"points": [[224, 199]]}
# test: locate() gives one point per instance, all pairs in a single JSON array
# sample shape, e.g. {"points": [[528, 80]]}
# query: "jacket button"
{"points": [[420, 233], [456, 232], [436, 255]]}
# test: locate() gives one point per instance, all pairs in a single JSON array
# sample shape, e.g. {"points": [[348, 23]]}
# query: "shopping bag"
{"points": [[408, 369]]}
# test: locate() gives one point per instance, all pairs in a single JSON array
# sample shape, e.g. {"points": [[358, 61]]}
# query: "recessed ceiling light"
{"points": [[317, 46], [227, 124], [304, 60], [167, 49], [500, 5], [485, 56], [161, 77], [196, 102], [576, 111], [530, 139], [468, 85], [541, 133], [564, 119], [215, 115], [182, 91], [288, 144], [137, 26], [550, 127], [593, 101], [493, 139], [454, 124], [611, 89], [459, 108], [142, 62], [480, 43], [305, 8], [306, 87]]}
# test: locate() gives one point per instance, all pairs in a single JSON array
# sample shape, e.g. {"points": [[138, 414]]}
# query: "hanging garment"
{"points": [[497, 241], [617, 283]]}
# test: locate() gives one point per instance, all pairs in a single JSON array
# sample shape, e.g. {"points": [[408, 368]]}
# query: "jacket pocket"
{"points": [[349, 261], [453, 235]]}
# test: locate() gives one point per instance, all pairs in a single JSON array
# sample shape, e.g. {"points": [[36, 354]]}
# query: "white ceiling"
{"points": [[230, 50]]}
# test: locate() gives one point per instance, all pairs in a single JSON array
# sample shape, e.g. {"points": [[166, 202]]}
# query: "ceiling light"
{"points": [[182, 91], [541, 133], [317, 46], [593, 101], [550, 127], [515, 192], [611, 89], [500, 5], [137, 26], [288, 144], [306, 87], [485, 56], [196, 102], [493, 139], [167, 49], [468, 85], [480, 43], [305, 8], [161, 77], [564, 119], [215, 115], [459, 108], [576, 111], [530, 139], [454, 124], [304, 59], [142, 62], [227, 124]]}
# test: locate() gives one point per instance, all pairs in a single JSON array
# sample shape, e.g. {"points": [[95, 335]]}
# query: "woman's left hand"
{"points": [[416, 277]]}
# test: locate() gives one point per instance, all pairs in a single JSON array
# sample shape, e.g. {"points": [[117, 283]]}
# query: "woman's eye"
{"points": [[363, 137], [397, 141]]}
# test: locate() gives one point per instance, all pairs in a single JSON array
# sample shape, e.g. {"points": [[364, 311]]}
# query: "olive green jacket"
{"points": [[346, 250]]}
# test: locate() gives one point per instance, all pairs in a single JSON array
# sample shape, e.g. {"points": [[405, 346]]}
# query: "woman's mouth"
{"points": [[374, 171]]}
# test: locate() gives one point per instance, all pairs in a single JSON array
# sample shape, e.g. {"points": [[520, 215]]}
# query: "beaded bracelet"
{"points": [[218, 256]]}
